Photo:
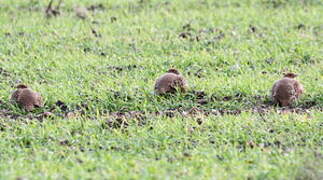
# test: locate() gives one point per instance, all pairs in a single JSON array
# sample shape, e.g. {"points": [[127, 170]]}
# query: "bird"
{"points": [[26, 98], [286, 90], [81, 12], [172, 81]]}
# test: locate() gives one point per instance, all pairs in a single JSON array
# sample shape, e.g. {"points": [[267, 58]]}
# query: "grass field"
{"points": [[97, 76]]}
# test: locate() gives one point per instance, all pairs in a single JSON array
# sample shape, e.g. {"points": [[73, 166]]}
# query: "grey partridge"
{"points": [[171, 82], [27, 98], [286, 90]]}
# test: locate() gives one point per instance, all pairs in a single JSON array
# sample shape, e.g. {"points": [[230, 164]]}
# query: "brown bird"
{"points": [[286, 90], [27, 98], [170, 82]]}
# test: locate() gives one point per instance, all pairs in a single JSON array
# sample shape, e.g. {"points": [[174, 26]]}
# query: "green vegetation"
{"points": [[103, 68]]}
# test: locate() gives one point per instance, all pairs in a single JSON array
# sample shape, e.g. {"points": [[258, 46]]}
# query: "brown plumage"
{"points": [[27, 98], [170, 82], [286, 90]]}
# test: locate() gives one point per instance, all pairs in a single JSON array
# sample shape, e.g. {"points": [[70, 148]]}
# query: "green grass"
{"points": [[233, 65]]}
